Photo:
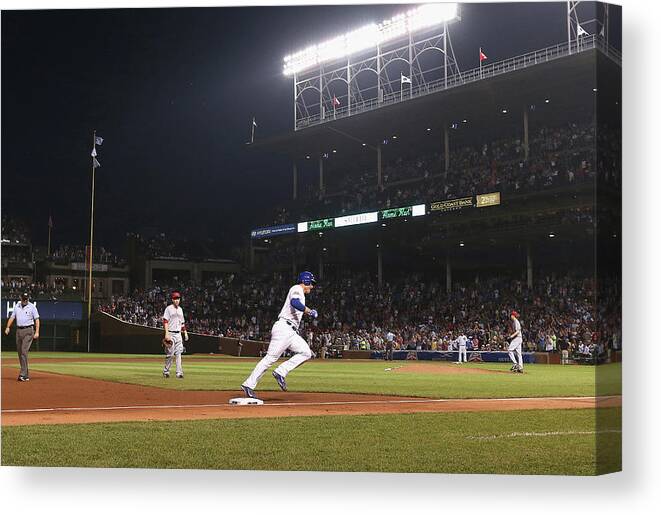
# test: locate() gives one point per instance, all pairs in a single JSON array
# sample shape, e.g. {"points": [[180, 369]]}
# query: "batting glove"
{"points": [[313, 313]]}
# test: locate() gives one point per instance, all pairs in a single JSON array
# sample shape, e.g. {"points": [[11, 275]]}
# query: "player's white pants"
{"points": [[175, 352], [283, 337], [515, 347], [462, 350]]}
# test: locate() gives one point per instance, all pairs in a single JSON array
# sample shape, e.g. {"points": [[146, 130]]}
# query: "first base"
{"points": [[245, 401]]}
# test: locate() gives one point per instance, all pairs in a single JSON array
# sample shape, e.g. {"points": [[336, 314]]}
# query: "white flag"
{"points": [[94, 152], [95, 163], [98, 140], [580, 31], [405, 79]]}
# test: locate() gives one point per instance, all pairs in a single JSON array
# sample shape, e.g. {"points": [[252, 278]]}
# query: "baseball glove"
{"points": [[167, 345]]}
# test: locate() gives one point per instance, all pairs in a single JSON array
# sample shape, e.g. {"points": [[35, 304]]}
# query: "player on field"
{"points": [[284, 336], [516, 342], [174, 325], [461, 342]]}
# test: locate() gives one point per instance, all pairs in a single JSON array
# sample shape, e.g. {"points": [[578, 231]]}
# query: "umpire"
{"points": [[390, 337], [27, 329]]}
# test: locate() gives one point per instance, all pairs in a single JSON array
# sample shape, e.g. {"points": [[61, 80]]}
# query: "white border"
{"points": [[634, 491]]}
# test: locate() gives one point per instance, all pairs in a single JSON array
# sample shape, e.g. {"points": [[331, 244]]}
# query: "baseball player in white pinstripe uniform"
{"points": [[284, 335], [174, 325]]}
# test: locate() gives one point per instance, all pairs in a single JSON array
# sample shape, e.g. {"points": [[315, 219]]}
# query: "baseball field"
{"points": [[103, 410]]}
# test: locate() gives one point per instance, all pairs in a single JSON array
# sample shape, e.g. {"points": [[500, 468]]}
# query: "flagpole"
{"points": [[401, 86], [480, 58], [49, 229], [252, 130], [89, 279]]}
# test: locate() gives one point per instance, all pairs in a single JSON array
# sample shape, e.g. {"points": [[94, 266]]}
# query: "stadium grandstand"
{"points": [[429, 201]]}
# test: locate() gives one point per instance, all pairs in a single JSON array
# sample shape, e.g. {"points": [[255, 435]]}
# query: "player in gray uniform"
{"points": [[516, 342], [284, 336], [174, 325]]}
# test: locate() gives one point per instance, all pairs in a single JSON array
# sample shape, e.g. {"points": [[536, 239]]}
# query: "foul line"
{"points": [[327, 403], [547, 433]]}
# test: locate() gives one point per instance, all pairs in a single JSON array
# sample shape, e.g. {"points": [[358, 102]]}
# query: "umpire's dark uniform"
{"points": [[389, 339]]}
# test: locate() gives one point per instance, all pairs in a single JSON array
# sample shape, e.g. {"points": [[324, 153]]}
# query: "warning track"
{"points": [[58, 399]]}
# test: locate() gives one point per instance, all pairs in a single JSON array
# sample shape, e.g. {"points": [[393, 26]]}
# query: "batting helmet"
{"points": [[175, 295], [307, 278], [515, 314]]}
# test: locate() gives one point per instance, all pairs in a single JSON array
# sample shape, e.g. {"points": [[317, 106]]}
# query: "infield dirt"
{"points": [[59, 399]]}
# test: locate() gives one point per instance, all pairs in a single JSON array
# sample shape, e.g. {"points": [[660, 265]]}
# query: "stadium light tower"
{"points": [[580, 25], [329, 79]]}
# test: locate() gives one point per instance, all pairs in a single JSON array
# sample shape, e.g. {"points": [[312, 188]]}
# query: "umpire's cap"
{"points": [[307, 278], [25, 296]]}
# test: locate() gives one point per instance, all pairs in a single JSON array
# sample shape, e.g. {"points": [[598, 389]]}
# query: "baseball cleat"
{"points": [[281, 381], [166, 374], [23, 378], [249, 392], [180, 376]]}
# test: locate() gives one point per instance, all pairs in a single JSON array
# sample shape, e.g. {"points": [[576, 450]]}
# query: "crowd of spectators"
{"points": [[13, 288], [16, 254], [65, 254], [160, 245], [15, 231], [356, 314], [557, 156]]}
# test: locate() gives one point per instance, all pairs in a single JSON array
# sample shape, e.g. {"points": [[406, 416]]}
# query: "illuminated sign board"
{"points": [[452, 204], [487, 199], [361, 218], [442, 206], [399, 212], [276, 230], [396, 213], [316, 225], [49, 309], [419, 210]]}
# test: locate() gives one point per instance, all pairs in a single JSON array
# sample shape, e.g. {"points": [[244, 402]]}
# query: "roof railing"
{"points": [[545, 55]]}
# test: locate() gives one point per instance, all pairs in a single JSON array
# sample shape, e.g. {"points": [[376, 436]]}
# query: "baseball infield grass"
{"points": [[518, 442], [369, 376]]}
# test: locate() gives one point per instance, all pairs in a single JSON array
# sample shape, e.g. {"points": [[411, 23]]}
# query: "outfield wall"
{"points": [[110, 334], [472, 356]]}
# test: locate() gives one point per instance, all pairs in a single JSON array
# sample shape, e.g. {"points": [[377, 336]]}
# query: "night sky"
{"points": [[172, 92]]}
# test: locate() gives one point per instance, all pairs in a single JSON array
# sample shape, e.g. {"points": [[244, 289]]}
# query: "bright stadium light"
{"points": [[370, 36]]}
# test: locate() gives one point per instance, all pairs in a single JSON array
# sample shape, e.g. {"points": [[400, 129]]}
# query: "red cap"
{"points": [[515, 314], [176, 295]]}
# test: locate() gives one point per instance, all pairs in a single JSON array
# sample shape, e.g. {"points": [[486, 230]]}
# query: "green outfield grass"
{"points": [[347, 376], [488, 443]]}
